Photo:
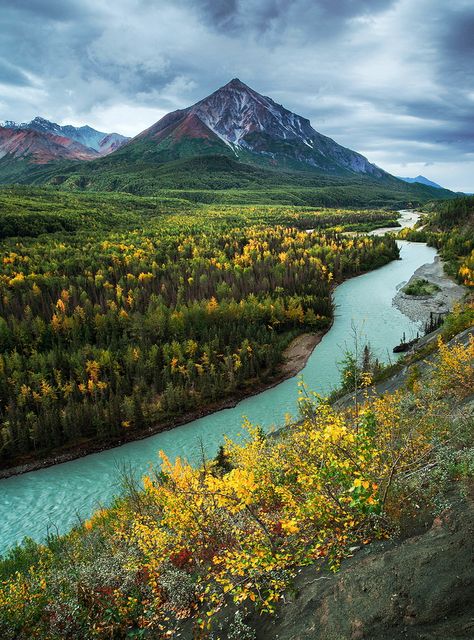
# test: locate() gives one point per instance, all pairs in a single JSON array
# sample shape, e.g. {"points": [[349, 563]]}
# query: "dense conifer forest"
{"points": [[119, 312]]}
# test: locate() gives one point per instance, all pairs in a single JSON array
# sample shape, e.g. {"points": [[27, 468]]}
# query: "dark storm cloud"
{"points": [[456, 43], [56, 10], [41, 35], [391, 78], [277, 15], [459, 38]]}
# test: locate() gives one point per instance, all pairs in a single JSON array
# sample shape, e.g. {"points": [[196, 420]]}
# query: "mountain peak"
{"points": [[90, 140], [236, 83], [39, 119], [251, 126], [421, 180], [237, 113]]}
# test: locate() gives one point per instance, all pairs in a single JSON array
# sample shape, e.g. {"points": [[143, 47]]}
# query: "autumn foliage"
{"points": [[196, 538], [135, 314]]}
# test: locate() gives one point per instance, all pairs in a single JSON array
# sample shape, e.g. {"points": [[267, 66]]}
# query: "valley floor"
{"points": [[294, 360]]}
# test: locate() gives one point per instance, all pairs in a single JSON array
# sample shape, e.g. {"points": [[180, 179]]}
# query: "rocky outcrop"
{"points": [[418, 589]]}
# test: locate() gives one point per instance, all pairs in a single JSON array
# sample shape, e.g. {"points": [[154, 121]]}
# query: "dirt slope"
{"points": [[420, 589]]}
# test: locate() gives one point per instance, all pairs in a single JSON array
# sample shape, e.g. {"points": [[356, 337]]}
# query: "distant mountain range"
{"points": [[422, 180], [40, 148], [41, 141], [234, 138]]}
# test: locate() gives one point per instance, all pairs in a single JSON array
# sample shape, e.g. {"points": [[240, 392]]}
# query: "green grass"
{"points": [[421, 287]]}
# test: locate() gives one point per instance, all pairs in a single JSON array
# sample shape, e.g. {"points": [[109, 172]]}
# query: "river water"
{"points": [[54, 498]]}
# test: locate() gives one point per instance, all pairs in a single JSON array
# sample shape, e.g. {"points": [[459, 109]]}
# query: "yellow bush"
{"points": [[455, 367]]}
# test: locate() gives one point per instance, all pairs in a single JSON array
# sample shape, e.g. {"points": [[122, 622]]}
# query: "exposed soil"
{"points": [[295, 357], [297, 353], [421, 588]]}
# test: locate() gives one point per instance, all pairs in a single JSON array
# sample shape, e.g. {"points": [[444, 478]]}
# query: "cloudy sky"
{"points": [[391, 79]]}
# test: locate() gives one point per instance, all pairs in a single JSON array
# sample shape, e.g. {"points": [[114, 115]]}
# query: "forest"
{"points": [[118, 312], [209, 552], [219, 179], [449, 226]]}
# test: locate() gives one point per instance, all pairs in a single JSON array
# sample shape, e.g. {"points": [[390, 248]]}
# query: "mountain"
{"points": [[103, 143], [39, 147], [235, 145], [422, 180], [238, 122], [111, 142]]}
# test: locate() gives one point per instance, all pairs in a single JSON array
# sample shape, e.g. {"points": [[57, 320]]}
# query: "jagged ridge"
{"points": [[248, 124], [40, 148], [102, 143]]}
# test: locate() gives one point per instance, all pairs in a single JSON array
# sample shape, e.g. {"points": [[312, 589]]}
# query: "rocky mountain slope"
{"points": [[237, 121], [29, 147], [40, 148], [99, 141], [234, 138]]}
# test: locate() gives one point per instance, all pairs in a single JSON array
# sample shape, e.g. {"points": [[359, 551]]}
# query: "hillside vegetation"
{"points": [[196, 550], [218, 179], [234, 146], [449, 226]]}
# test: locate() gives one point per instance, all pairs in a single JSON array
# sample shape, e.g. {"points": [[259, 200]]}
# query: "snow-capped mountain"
{"points": [[40, 147], [250, 125], [233, 138], [103, 143]]}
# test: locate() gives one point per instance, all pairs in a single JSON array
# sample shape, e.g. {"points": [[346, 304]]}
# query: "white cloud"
{"points": [[127, 119]]}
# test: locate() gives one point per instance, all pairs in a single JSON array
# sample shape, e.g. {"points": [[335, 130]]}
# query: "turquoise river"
{"points": [[54, 499]]}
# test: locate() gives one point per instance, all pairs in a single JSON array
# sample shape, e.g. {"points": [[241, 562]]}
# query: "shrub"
{"points": [[421, 287]]}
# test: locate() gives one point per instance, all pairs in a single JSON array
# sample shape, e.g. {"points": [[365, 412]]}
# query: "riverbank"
{"points": [[419, 308], [31, 504], [294, 359]]}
